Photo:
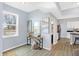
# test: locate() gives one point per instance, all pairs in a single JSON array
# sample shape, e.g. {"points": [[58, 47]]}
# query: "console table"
{"points": [[38, 40]]}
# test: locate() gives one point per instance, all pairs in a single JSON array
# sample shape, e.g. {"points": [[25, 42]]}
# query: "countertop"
{"points": [[74, 33]]}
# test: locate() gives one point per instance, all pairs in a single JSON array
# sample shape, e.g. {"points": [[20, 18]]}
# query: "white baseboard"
{"points": [[64, 38], [14, 47], [47, 48], [54, 42]]}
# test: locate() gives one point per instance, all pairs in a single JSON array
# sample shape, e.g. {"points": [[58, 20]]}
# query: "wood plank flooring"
{"points": [[62, 48]]}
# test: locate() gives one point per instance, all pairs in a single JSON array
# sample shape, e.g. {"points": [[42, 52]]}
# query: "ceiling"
{"points": [[31, 6], [68, 5], [60, 10]]}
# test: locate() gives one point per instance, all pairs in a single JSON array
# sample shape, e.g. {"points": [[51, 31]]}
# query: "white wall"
{"points": [[73, 24], [63, 24]]}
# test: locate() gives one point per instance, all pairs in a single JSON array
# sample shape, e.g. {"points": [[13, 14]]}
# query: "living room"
{"points": [[39, 21]]}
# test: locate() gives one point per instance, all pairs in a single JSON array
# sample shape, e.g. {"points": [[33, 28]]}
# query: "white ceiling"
{"points": [[68, 5], [31, 6], [60, 9]]}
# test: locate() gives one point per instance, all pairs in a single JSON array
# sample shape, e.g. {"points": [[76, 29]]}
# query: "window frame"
{"points": [[17, 25]]}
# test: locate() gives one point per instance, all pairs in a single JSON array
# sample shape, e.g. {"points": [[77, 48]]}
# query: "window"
{"points": [[10, 24], [36, 28]]}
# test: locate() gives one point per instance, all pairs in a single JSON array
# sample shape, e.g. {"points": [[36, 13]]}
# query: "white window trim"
{"points": [[17, 25]]}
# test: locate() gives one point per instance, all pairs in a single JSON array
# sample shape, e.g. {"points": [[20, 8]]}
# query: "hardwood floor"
{"points": [[26, 50], [62, 48]]}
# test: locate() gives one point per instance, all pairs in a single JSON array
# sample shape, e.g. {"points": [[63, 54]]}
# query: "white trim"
{"points": [[47, 48], [14, 47], [7, 12], [16, 35], [17, 24], [55, 42]]}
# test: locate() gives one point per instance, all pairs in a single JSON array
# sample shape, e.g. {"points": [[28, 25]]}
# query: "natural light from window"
{"points": [[10, 24]]}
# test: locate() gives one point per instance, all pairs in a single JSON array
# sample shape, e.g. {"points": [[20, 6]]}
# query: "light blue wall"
{"points": [[21, 39], [0, 28]]}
